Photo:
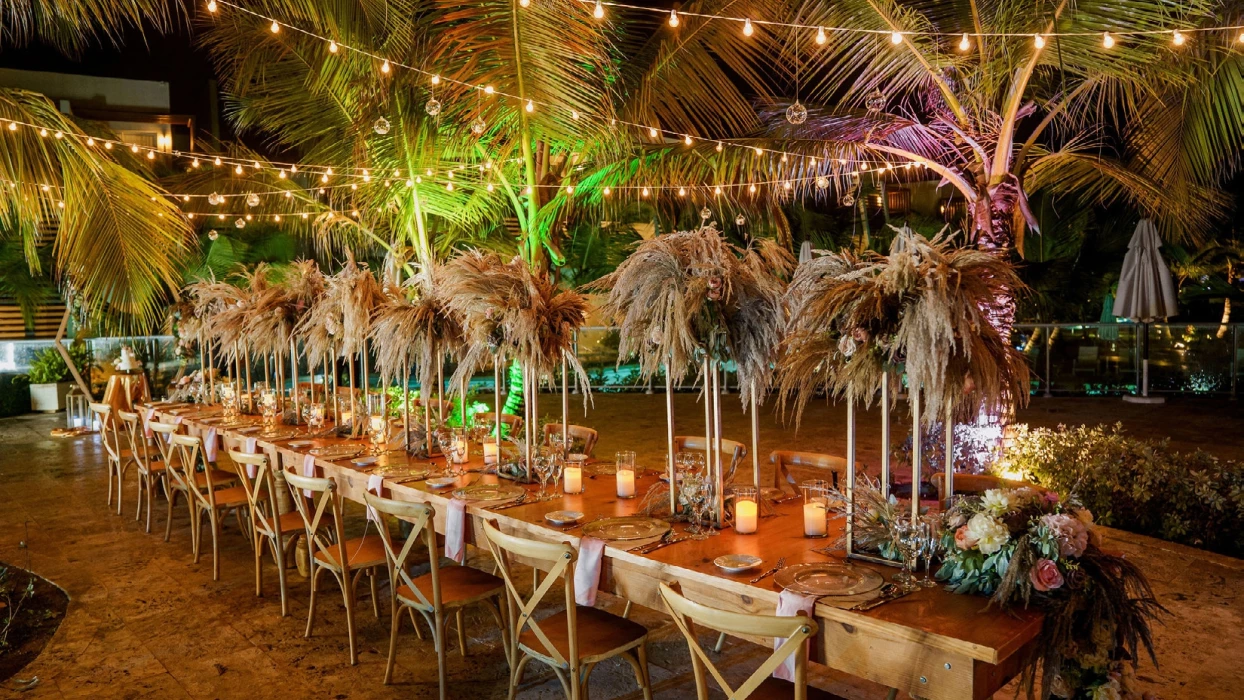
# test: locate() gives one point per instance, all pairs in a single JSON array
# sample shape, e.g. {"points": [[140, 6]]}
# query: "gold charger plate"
{"points": [[621, 529], [825, 578], [403, 471], [336, 452], [492, 493]]}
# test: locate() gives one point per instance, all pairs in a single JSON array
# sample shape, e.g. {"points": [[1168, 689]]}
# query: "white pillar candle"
{"points": [[574, 480], [626, 483], [490, 453], [460, 451], [745, 517], [814, 523]]}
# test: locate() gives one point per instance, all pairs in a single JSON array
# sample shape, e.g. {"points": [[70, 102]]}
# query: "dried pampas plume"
{"points": [[339, 321], [923, 309], [415, 324], [506, 308], [683, 294]]}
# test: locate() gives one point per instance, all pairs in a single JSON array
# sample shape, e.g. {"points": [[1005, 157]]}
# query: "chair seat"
{"points": [[218, 477], [599, 633], [231, 497], [460, 585], [362, 552], [778, 689], [155, 466], [287, 522]]}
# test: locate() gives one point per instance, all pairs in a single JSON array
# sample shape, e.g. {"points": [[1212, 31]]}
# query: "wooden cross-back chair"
{"points": [[736, 451], [209, 491], [163, 437], [760, 684], [149, 461], [783, 460], [119, 458], [329, 550], [513, 423], [433, 595], [571, 641], [278, 531], [581, 433]]}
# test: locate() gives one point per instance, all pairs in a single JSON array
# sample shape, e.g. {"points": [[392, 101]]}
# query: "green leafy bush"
{"points": [[14, 395], [1142, 486], [48, 367]]}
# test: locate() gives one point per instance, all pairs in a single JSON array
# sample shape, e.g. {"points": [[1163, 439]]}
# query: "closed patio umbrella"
{"points": [[1146, 292]]}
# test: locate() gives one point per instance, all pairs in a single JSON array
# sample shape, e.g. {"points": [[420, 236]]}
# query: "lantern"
{"points": [[77, 409]]}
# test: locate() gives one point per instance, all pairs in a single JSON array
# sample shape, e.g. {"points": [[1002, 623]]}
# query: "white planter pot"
{"points": [[48, 398]]}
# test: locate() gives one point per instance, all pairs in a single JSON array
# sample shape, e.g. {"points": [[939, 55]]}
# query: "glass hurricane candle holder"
{"points": [[746, 509], [267, 406], [315, 416], [378, 431], [625, 474], [815, 508]]}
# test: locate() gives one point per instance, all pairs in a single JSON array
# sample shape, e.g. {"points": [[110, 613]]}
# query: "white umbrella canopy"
{"points": [[1146, 292]]}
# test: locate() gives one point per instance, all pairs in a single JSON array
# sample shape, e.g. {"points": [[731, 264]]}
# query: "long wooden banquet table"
{"points": [[931, 643]]}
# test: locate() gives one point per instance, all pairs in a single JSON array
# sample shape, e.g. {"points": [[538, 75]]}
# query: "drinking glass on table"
{"points": [[543, 467], [315, 417], [907, 539], [931, 534], [267, 405], [378, 431]]}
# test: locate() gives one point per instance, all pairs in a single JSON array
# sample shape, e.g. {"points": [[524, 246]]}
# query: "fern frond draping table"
{"points": [[931, 643]]}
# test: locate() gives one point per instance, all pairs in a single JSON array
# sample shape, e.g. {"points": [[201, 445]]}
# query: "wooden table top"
{"points": [[934, 617]]}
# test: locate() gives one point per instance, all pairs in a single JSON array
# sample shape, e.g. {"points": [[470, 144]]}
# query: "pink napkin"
{"points": [[251, 444], [249, 448], [209, 445], [587, 570], [147, 414], [308, 469], [455, 530], [374, 483], [789, 605]]}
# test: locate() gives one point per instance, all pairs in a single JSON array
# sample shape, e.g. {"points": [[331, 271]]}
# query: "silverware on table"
{"points": [[781, 563], [644, 549], [520, 501], [889, 592], [664, 543]]}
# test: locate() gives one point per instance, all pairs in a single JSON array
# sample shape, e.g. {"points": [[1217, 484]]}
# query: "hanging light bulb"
{"points": [[822, 182], [786, 185], [682, 191], [673, 18], [1107, 41], [107, 144], [490, 188], [238, 170], [240, 222], [432, 107], [276, 28], [569, 189], [740, 219], [354, 185], [366, 176], [751, 189], [747, 27], [58, 135], [1039, 42], [488, 89], [875, 102], [90, 142], [150, 155], [574, 114], [607, 191], [324, 178], [194, 163], [1178, 38], [964, 43], [652, 132], [384, 67], [759, 151], [478, 126], [436, 80], [43, 132], [252, 200], [797, 113], [821, 39], [524, 3], [896, 38], [216, 161], [1241, 38], [276, 217], [530, 107], [281, 173], [213, 234], [133, 148], [215, 199], [719, 146], [211, 6], [717, 190], [293, 168], [687, 139], [599, 11], [381, 125], [449, 186], [644, 192], [847, 200], [185, 198], [332, 47]]}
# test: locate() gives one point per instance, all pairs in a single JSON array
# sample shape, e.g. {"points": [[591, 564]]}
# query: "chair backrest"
{"points": [[260, 489], [418, 515], [324, 501], [163, 434], [559, 560], [189, 450], [108, 431], [134, 435], [978, 483], [737, 450], [795, 630], [515, 423], [581, 433], [783, 460]]}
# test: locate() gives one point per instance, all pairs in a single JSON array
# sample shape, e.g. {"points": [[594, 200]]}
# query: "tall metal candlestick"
{"points": [[669, 440], [885, 435], [565, 406], [914, 392], [949, 482], [496, 400], [755, 438], [293, 366]]}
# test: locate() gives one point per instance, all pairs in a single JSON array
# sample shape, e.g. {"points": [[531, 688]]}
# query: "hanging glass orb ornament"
{"points": [[432, 107], [740, 219], [875, 102], [797, 113], [215, 199], [847, 200], [478, 126], [706, 213], [240, 223], [380, 126], [213, 235], [252, 200], [822, 182]]}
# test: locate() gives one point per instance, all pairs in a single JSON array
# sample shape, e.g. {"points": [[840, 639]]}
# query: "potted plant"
{"points": [[50, 378]]}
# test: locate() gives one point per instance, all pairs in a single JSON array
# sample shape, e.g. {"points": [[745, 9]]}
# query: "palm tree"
{"points": [[117, 241]]}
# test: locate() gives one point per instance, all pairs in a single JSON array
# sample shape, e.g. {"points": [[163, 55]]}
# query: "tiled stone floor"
{"points": [[144, 621]]}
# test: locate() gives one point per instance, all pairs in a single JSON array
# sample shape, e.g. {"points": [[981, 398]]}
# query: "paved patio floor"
{"points": [[144, 621]]}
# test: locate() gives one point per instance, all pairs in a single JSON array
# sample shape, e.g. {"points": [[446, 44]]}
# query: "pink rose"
{"points": [[1051, 497], [1045, 576], [963, 539]]}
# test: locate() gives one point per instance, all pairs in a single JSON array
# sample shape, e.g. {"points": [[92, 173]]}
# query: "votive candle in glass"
{"points": [[573, 480], [626, 483], [746, 510], [490, 453]]}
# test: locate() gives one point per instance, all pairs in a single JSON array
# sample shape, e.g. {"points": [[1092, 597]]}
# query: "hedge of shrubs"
{"points": [[1142, 486]]}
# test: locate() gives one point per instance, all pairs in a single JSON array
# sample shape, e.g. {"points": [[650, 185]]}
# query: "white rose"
{"points": [[1108, 691], [996, 501], [990, 534]]}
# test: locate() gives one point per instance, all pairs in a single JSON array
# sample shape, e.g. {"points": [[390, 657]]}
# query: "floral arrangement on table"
{"points": [[338, 320], [414, 324], [680, 295], [921, 310], [507, 308], [1027, 546]]}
